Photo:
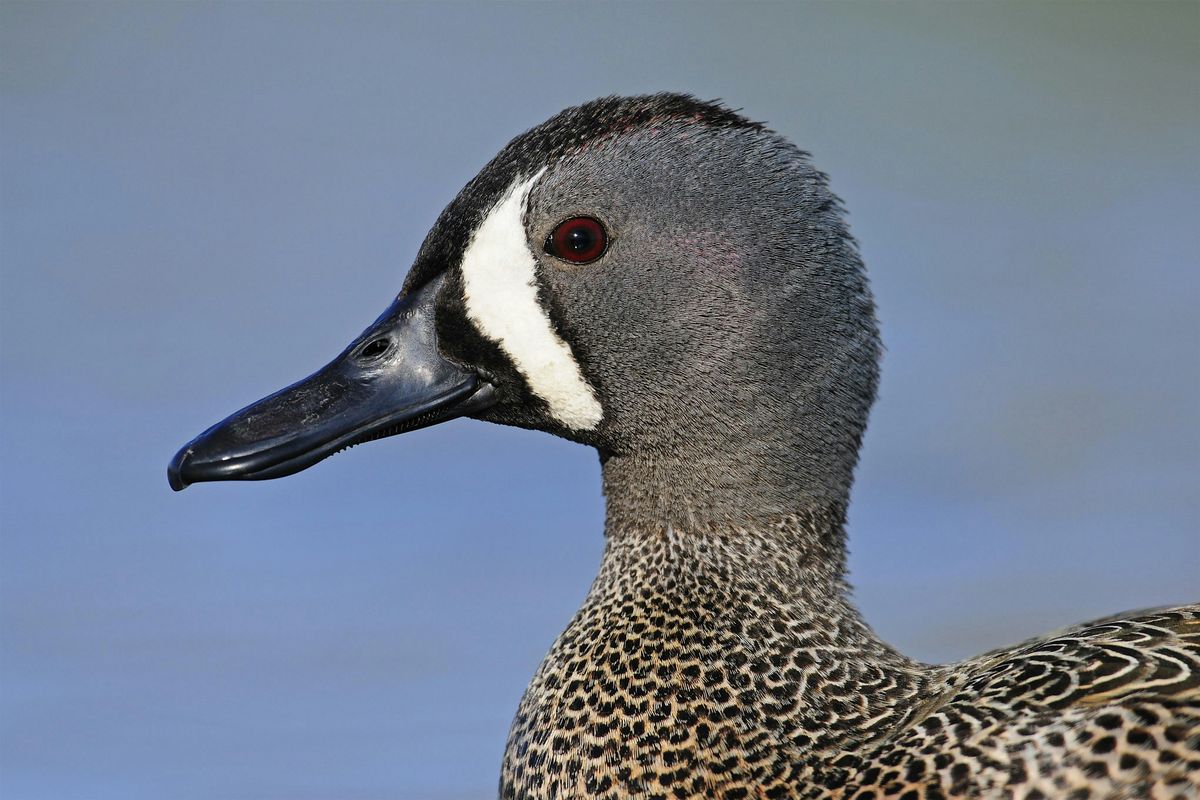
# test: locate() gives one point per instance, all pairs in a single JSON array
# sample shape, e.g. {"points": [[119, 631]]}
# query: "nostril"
{"points": [[375, 348]]}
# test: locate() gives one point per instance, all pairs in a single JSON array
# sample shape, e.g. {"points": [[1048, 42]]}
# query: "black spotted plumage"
{"points": [[768, 685]]}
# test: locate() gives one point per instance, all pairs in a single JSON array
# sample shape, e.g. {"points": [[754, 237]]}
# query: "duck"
{"points": [[675, 285]]}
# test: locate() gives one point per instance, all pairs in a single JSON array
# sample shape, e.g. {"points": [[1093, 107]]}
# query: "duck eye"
{"points": [[578, 240]]}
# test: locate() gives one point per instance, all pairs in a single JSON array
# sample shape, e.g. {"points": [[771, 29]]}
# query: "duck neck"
{"points": [[695, 528], [734, 489]]}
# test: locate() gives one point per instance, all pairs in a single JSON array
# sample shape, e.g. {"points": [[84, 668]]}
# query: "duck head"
{"points": [[653, 276]]}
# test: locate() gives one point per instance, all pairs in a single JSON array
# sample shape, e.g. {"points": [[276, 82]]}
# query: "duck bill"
{"points": [[390, 380]]}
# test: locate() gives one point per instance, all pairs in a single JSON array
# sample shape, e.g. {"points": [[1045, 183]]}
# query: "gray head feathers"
{"points": [[728, 331]]}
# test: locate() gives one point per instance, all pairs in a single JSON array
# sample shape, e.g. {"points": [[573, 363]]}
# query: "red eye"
{"points": [[578, 240]]}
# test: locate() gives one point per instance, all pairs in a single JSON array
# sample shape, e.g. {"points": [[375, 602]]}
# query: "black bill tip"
{"points": [[176, 469]]}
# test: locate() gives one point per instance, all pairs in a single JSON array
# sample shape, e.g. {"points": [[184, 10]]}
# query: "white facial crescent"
{"points": [[499, 280]]}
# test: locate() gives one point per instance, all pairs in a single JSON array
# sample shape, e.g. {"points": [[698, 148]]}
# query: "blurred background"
{"points": [[202, 202]]}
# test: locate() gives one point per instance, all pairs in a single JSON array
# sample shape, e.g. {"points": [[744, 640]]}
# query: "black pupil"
{"points": [[580, 239]]}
